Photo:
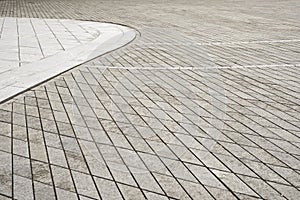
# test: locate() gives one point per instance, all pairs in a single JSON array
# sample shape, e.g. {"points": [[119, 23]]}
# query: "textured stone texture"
{"points": [[204, 104]]}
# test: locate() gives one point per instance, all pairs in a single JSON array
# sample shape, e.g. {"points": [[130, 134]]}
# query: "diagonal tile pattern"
{"points": [[149, 132], [190, 109]]}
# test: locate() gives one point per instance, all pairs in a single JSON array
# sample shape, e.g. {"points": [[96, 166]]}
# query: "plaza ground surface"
{"points": [[204, 103]]}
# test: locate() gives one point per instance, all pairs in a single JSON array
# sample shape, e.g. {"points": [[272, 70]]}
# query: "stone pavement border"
{"points": [[17, 80]]}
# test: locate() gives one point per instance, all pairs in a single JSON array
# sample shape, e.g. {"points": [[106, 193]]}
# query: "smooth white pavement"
{"points": [[35, 50]]}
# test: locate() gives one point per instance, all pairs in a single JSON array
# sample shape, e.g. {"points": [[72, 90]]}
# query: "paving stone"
{"points": [[131, 192], [146, 181], [95, 160], [20, 132], [286, 191], [5, 129], [6, 171], [85, 185], [76, 161], [265, 171], [57, 157], [121, 173], [43, 191], [155, 196], [290, 175], [37, 146], [234, 183], [190, 109], [108, 189], [195, 190], [23, 188], [171, 187], [209, 159], [41, 172], [4, 197], [179, 170], [221, 193], [22, 167], [235, 165], [62, 178], [262, 188], [63, 194], [205, 176], [20, 148], [5, 143]]}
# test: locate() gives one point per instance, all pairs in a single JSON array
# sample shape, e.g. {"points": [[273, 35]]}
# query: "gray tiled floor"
{"points": [[25, 40], [204, 104]]}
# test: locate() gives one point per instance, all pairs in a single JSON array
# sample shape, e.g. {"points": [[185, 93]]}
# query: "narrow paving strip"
{"points": [[203, 104]]}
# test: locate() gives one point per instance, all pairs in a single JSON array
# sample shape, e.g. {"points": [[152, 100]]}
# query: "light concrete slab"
{"points": [[38, 66]]}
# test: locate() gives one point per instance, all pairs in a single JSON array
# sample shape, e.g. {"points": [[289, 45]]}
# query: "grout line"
{"points": [[19, 49], [2, 27], [37, 38], [29, 148], [220, 43], [12, 152], [198, 68]]}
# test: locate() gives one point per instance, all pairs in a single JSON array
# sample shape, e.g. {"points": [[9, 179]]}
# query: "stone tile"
{"points": [[155, 196], [236, 165], [41, 172], [23, 188], [76, 161], [52, 140], [57, 157], [62, 178], [205, 176], [234, 183], [185, 155], [209, 159], [171, 187], [262, 188], [5, 173], [22, 167], [286, 191], [43, 191], [5, 129], [154, 164], [20, 148], [85, 185], [290, 175], [121, 173], [5, 143], [221, 193], [108, 189], [195, 190], [2, 197], [95, 160], [146, 181], [19, 132], [131, 192], [63, 194], [179, 170]]}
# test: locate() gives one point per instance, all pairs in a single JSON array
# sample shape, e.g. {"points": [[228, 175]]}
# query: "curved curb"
{"points": [[18, 80]]}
